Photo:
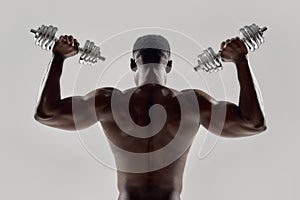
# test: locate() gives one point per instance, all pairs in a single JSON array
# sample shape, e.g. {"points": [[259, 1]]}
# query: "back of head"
{"points": [[151, 46]]}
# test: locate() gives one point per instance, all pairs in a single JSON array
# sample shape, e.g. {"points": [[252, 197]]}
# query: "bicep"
{"points": [[222, 118], [79, 112]]}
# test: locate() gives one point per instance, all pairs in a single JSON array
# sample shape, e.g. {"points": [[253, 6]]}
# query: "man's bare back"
{"points": [[164, 183], [154, 176]]}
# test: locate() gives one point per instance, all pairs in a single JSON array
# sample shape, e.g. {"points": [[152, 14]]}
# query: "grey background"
{"points": [[38, 162]]}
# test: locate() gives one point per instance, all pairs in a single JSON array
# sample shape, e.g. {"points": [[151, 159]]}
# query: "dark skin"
{"points": [[244, 119]]}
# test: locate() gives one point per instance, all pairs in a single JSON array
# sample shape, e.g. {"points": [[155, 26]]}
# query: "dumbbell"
{"points": [[252, 36], [45, 38]]}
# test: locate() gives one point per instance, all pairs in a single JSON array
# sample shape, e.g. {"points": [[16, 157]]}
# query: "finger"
{"points": [[66, 38], [237, 40], [234, 44], [61, 38], [222, 45], [76, 42], [226, 43], [71, 39], [232, 41]]}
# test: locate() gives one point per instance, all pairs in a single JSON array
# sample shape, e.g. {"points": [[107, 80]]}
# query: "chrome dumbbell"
{"points": [[45, 37], [252, 36]]}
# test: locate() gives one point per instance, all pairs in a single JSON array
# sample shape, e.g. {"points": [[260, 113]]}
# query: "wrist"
{"points": [[241, 60], [58, 57], [57, 64]]}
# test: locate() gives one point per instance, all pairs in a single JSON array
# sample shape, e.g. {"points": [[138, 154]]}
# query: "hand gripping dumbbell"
{"points": [[45, 38], [252, 36]]}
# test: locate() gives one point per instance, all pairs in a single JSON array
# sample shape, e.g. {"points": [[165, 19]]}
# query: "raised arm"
{"points": [[71, 113], [227, 118]]}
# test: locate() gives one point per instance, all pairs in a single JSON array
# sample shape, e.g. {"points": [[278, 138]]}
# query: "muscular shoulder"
{"points": [[201, 96], [100, 93]]}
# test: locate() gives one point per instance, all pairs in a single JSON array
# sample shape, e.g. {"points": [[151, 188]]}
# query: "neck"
{"points": [[151, 73]]}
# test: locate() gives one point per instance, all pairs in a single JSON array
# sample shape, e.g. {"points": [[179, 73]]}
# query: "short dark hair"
{"points": [[151, 51], [150, 42]]}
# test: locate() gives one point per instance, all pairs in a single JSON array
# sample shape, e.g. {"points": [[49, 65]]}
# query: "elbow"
{"points": [[42, 118], [257, 128], [249, 129], [260, 125], [44, 113], [36, 116], [54, 122], [260, 128], [256, 125]]}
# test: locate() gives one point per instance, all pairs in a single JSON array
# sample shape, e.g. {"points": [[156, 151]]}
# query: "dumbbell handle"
{"points": [[56, 39], [263, 29]]}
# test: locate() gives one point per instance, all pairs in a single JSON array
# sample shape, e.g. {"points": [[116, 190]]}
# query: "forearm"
{"points": [[249, 104], [49, 95]]}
